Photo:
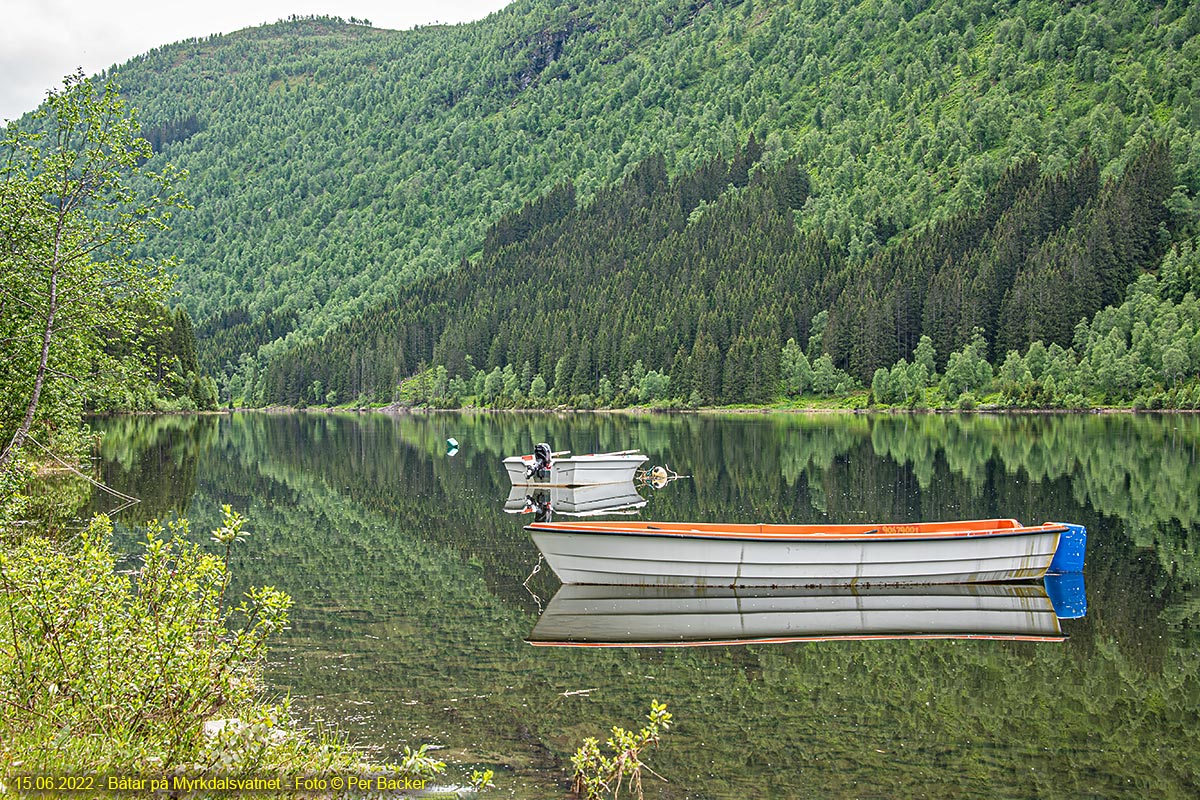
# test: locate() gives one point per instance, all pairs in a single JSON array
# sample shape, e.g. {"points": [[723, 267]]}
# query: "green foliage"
{"points": [[829, 380], [482, 779], [1143, 352], [635, 283], [419, 762], [795, 370], [149, 672], [168, 341], [1180, 270], [13, 482], [599, 776], [336, 164], [968, 369], [122, 673], [75, 197], [652, 386]]}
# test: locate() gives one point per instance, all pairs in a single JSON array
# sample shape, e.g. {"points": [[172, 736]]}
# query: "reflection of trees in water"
{"points": [[795, 467], [154, 458], [744, 468], [407, 577], [1140, 468]]}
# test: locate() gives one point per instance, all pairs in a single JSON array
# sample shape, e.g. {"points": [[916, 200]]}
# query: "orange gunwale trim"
{"points": [[854, 637], [815, 533]]}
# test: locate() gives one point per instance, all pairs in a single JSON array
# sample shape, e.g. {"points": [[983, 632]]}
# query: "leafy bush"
{"points": [[597, 775], [145, 671]]}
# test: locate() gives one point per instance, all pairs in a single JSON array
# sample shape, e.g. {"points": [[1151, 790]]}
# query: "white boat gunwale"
{"points": [[577, 470], [565, 455]]}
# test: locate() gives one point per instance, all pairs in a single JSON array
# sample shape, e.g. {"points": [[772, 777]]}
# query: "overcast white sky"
{"points": [[43, 40]]}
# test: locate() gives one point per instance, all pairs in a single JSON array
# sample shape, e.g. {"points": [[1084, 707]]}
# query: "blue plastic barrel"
{"points": [[1071, 547]]}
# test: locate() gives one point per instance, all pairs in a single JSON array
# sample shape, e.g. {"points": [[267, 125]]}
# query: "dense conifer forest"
{"points": [[175, 381], [696, 202], [682, 290]]}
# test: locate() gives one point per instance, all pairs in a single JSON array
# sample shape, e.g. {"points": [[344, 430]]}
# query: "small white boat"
{"points": [[655, 616], [543, 468], [575, 501], [720, 554]]}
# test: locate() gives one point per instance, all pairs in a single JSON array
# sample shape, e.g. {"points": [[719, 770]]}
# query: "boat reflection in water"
{"points": [[648, 616], [574, 501]]}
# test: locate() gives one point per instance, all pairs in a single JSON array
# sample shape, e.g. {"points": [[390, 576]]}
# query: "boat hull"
{"points": [[639, 616], [583, 470], [644, 556]]}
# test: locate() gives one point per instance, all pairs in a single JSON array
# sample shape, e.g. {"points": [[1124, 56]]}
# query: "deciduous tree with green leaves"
{"points": [[75, 198]]}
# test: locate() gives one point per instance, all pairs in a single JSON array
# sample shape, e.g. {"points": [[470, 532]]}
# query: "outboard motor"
{"points": [[540, 468]]}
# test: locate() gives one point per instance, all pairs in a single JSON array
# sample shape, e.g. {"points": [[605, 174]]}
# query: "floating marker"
{"points": [[451, 446]]}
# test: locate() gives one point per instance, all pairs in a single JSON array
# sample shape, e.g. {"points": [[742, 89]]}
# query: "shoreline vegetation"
{"points": [[853, 404], [1143, 354], [154, 672], [397, 409]]}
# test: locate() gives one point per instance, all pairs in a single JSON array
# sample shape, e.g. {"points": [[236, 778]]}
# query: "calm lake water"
{"points": [[414, 601]]}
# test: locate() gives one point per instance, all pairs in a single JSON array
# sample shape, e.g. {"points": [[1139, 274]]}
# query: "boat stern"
{"points": [[1068, 556], [517, 466]]}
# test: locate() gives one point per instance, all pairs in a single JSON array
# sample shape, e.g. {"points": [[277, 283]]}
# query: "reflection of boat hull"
{"points": [[699, 554], [577, 500], [640, 616], [577, 470]]}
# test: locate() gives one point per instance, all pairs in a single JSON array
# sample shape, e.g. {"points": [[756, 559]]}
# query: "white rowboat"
{"points": [[720, 554]]}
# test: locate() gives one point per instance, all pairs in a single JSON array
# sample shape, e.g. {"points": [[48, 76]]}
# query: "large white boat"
{"points": [[543, 468], [720, 554], [658, 616]]}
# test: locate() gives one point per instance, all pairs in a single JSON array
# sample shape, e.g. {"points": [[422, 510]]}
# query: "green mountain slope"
{"points": [[698, 281], [334, 164]]}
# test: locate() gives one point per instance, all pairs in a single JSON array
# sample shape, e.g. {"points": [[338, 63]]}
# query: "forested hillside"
{"points": [[696, 282], [333, 166]]}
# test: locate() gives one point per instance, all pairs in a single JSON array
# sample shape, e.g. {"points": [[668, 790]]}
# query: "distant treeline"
{"points": [[691, 288]]}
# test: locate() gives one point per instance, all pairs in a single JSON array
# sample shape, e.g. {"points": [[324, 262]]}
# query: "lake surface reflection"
{"points": [[420, 599]]}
